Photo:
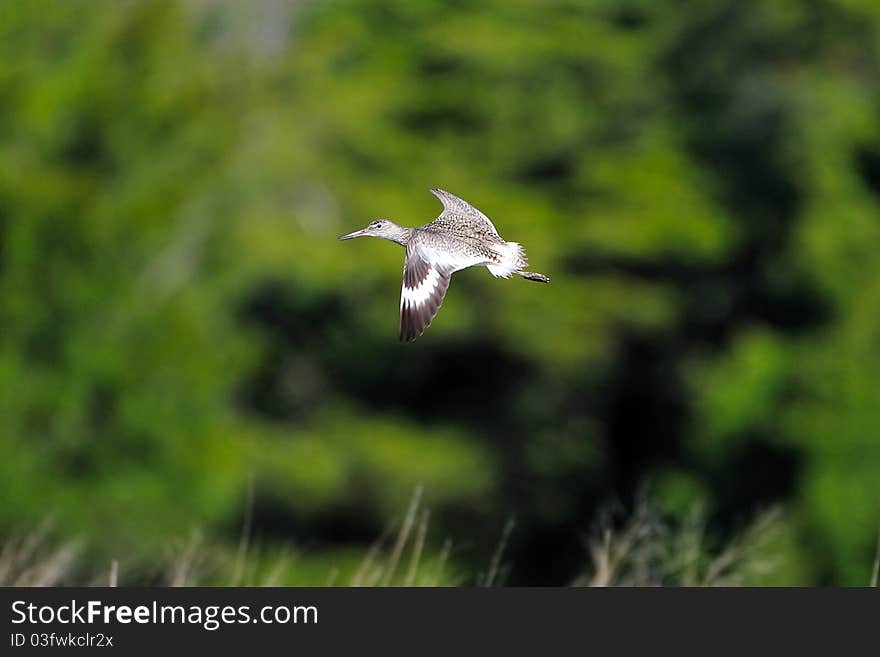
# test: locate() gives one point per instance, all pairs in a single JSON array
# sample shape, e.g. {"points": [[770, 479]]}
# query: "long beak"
{"points": [[351, 236]]}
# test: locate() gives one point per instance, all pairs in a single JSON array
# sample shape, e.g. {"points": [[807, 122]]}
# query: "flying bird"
{"points": [[460, 237]]}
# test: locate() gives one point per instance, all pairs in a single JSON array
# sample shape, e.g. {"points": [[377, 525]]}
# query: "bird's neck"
{"points": [[402, 236]]}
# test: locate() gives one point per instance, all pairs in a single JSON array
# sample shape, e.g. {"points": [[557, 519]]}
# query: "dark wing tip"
{"points": [[407, 337], [408, 329], [414, 321]]}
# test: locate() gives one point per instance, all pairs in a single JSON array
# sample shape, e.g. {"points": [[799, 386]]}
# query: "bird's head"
{"points": [[384, 228]]}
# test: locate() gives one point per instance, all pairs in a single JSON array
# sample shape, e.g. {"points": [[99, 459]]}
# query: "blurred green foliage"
{"points": [[699, 178]]}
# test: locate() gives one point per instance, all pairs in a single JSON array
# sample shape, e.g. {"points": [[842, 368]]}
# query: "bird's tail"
{"points": [[513, 260]]}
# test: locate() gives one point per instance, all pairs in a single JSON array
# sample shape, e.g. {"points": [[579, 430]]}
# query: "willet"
{"points": [[460, 237]]}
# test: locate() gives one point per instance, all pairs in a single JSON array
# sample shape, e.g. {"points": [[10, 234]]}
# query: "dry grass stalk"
{"points": [[28, 561]]}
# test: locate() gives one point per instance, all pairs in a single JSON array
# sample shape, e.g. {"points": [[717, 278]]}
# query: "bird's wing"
{"points": [[422, 292], [457, 210]]}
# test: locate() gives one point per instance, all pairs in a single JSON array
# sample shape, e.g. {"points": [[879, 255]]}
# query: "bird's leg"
{"points": [[533, 276]]}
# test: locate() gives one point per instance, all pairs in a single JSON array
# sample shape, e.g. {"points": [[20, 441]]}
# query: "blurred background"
{"points": [[186, 350]]}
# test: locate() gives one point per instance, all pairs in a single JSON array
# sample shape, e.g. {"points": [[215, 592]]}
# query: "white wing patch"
{"points": [[422, 292]]}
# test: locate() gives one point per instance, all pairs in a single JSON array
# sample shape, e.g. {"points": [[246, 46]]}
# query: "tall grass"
{"points": [[648, 550], [643, 548]]}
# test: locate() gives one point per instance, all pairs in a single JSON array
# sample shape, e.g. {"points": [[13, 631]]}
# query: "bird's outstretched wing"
{"points": [[459, 214], [422, 292]]}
